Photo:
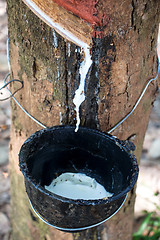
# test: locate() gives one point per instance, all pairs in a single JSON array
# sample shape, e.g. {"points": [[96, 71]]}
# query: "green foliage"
{"points": [[149, 229]]}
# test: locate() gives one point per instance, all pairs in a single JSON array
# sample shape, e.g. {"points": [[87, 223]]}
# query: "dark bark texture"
{"points": [[124, 59]]}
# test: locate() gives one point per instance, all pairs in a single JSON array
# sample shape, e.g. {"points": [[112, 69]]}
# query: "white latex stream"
{"points": [[79, 94], [77, 186]]}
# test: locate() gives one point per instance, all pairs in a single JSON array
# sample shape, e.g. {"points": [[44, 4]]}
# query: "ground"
{"points": [[148, 187]]}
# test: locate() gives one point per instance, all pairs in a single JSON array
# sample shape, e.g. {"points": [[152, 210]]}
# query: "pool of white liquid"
{"points": [[77, 186]]}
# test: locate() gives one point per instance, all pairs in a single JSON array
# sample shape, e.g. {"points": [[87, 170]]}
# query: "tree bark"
{"points": [[124, 59]]}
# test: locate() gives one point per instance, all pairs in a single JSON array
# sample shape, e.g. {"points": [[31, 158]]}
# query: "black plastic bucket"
{"points": [[50, 152]]}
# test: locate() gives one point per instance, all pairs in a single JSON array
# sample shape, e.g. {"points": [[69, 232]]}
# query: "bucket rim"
{"points": [[119, 143]]}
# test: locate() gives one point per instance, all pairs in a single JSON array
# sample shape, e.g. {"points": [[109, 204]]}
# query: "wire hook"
{"points": [[9, 82]]}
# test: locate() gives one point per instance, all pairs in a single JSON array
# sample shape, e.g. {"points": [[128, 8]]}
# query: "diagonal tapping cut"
{"points": [[85, 48]]}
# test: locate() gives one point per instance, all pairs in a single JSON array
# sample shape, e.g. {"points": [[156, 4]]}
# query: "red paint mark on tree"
{"points": [[85, 9]]}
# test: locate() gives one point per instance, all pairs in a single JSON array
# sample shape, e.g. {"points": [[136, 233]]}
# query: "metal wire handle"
{"points": [[139, 99], [9, 82], [12, 96]]}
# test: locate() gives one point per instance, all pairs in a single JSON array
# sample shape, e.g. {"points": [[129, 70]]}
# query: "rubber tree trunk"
{"points": [[124, 59]]}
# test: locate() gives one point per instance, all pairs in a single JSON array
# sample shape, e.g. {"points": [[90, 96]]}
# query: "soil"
{"points": [[148, 186]]}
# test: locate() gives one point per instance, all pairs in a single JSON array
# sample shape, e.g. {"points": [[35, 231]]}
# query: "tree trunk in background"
{"points": [[124, 59]]}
